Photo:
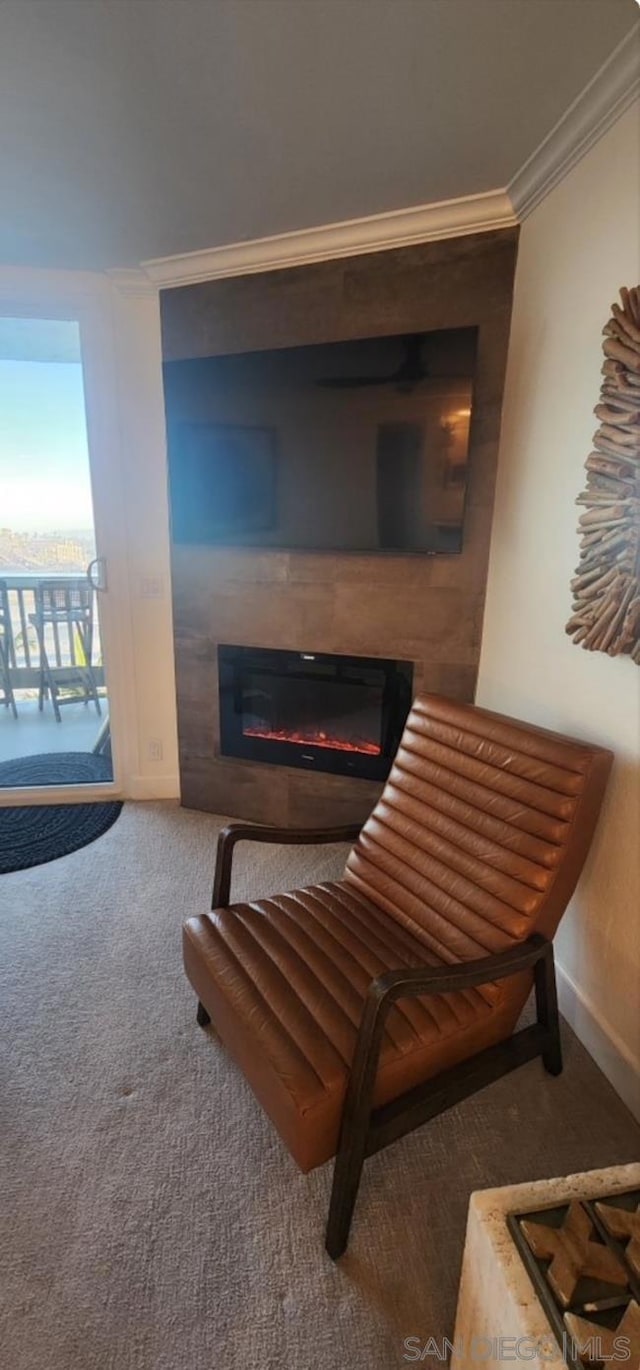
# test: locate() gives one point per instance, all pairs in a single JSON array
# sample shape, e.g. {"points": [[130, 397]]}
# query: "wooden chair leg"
{"points": [[53, 691], [5, 676], [85, 631], [344, 1191], [202, 1017], [90, 689], [547, 1010], [90, 684], [47, 681], [41, 680], [354, 1127], [94, 691]]}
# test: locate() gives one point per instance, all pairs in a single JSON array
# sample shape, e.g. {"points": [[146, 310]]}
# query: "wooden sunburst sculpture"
{"points": [[606, 587]]}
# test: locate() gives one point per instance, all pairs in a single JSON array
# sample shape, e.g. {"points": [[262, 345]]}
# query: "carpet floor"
{"points": [[152, 1219]]}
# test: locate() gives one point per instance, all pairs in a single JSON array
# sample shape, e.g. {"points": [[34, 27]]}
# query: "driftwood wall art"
{"points": [[606, 586]]}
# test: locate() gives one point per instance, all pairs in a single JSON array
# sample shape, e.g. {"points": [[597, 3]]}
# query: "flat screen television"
{"points": [[358, 446]]}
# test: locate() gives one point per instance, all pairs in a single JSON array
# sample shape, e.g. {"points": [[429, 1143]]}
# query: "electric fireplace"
{"points": [[342, 714]]}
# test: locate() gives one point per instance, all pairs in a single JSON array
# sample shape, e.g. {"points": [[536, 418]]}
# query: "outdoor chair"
{"points": [[6, 651], [360, 1008], [65, 609]]}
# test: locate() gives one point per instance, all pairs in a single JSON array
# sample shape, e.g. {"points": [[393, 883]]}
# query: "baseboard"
{"points": [[152, 787], [609, 1052]]}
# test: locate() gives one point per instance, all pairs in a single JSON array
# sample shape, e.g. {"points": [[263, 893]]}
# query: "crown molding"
{"points": [[609, 93], [606, 97], [131, 280], [352, 237]]}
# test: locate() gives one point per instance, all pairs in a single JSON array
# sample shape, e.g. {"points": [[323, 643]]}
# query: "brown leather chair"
{"points": [[360, 1008]]}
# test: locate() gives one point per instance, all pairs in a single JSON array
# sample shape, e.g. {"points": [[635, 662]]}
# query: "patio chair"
{"points": [[361, 1008], [6, 650], [65, 607]]}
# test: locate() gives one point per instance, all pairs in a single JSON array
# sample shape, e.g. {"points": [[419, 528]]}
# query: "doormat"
{"points": [[31, 835]]}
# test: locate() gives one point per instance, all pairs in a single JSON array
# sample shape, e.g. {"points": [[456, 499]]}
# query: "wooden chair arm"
{"points": [[411, 983], [364, 1131], [250, 832]]}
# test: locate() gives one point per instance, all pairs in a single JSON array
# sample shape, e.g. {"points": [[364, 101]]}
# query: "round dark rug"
{"points": [[30, 835]]}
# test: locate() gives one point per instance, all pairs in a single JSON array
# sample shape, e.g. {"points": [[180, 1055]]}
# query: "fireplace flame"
{"points": [[315, 739]]}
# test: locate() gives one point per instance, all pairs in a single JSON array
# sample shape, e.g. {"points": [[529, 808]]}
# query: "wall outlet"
{"points": [[154, 749], [151, 587]]}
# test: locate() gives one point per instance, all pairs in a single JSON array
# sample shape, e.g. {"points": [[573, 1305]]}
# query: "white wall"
{"points": [[576, 249], [136, 332]]}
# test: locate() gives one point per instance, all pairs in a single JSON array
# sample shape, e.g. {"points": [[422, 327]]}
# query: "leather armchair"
{"points": [[360, 1008]]}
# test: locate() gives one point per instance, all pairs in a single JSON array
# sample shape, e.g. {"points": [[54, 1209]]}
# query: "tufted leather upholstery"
{"points": [[476, 842], [482, 829]]}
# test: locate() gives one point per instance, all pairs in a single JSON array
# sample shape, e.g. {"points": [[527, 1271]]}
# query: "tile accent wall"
{"points": [[424, 609]]}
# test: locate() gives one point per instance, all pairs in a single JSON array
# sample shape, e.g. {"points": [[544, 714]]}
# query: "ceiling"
{"points": [[132, 129]]}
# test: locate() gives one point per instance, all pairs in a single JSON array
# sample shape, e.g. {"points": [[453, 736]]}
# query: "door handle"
{"points": [[97, 574]]}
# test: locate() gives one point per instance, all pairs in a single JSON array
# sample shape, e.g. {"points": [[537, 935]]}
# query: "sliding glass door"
{"points": [[55, 713]]}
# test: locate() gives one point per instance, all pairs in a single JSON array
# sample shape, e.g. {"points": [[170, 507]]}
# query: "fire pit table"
{"points": [[551, 1274]]}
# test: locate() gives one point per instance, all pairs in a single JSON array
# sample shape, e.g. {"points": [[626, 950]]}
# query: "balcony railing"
{"points": [[61, 640]]}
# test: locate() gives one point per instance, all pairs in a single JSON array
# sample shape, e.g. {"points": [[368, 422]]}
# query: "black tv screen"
{"points": [[349, 446]]}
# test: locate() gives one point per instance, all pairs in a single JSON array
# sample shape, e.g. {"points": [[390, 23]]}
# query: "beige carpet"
{"points": [[152, 1220]]}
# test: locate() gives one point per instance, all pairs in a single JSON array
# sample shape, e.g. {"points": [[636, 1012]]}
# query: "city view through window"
{"points": [[46, 518]]}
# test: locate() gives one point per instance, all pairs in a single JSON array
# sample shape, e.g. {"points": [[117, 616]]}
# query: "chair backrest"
{"points": [[66, 601], [482, 829]]}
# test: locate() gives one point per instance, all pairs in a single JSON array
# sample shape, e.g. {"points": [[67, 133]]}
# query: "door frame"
{"points": [[85, 298]]}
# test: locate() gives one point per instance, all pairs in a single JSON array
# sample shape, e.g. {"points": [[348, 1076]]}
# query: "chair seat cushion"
{"points": [[284, 980]]}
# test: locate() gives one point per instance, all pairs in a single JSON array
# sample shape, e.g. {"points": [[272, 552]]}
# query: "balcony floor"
{"points": [[34, 732]]}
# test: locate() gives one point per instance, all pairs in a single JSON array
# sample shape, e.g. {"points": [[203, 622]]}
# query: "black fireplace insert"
{"points": [[342, 714]]}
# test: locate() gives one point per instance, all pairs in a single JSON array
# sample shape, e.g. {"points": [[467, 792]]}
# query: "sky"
{"points": [[44, 463]]}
